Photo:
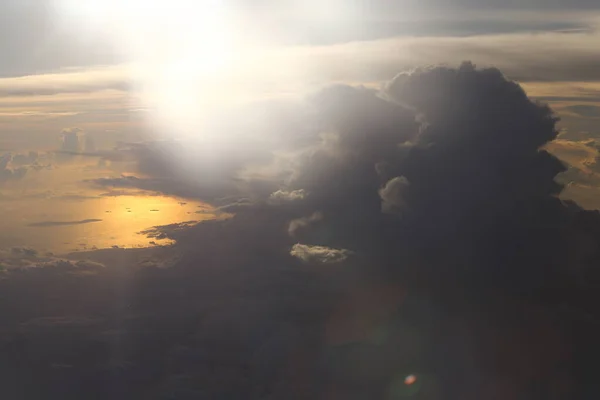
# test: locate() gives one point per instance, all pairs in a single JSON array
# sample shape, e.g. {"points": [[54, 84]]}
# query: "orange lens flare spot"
{"points": [[410, 380]]}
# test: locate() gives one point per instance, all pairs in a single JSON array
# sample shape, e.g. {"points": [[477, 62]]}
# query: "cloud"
{"points": [[584, 110], [170, 231], [282, 196], [24, 259], [70, 140], [79, 81], [582, 155], [25, 251], [163, 186], [459, 153], [117, 193], [521, 56], [304, 222], [319, 254], [189, 168], [49, 224], [48, 194], [75, 197], [25, 159], [12, 168], [67, 265], [392, 195]]}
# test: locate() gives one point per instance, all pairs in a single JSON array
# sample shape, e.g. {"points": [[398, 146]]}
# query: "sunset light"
{"points": [[299, 199]]}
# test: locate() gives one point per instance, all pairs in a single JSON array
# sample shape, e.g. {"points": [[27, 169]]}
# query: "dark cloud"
{"points": [[457, 155], [117, 193], [171, 231], [24, 259], [47, 195], [49, 224]]}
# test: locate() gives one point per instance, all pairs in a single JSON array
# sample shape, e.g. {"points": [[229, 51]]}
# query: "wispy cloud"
{"points": [[73, 81], [49, 224]]}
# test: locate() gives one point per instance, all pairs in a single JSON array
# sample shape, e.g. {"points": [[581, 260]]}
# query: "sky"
{"points": [[273, 177]]}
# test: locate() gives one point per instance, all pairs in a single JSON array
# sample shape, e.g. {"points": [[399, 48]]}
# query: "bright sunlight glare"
{"points": [[178, 50]]}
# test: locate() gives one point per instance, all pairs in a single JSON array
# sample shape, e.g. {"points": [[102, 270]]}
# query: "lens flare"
{"points": [[405, 386], [410, 380]]}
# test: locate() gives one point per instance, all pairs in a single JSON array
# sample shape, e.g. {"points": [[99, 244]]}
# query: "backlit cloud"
{"points": [[319, 254]]}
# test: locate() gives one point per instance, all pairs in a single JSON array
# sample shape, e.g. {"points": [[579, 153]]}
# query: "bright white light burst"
{"points": [[179, 49]]}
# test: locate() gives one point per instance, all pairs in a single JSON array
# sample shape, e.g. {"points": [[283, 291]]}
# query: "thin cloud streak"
{"points": [[50, 224]]}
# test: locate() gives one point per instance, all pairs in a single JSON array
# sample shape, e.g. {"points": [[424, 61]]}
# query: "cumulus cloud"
{"points": [[319, 254], [392, 195], [459, 153], [22, 159], [12, 168], [16, 166]]}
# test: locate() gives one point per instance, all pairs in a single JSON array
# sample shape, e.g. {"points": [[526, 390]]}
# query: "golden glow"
{"points": [[121, 220], [577, 154]]}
